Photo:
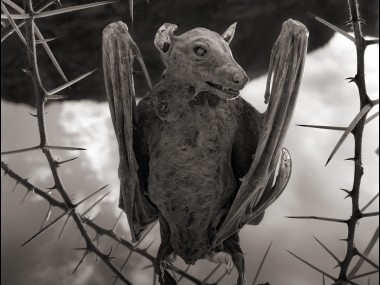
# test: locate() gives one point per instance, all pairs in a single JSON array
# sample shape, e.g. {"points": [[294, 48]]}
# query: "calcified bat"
{"points": [[193, 154]]}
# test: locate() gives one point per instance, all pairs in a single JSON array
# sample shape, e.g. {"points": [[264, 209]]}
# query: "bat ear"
{"points": [[229, 33], [164, 38]]}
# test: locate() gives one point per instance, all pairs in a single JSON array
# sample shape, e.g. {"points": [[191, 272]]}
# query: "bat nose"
{"points": [[239, 78]]}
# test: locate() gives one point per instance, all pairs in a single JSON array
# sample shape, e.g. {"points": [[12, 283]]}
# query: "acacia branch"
{"points": [[99, 230], [357, 132]]}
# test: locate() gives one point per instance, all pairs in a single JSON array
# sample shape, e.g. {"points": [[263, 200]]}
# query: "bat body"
{"points": [[193, 154], [191, 177]]}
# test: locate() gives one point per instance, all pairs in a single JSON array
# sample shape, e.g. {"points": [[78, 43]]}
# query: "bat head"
{"points": [[201, 59]]}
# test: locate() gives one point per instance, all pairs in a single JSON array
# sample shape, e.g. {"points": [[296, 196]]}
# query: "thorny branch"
{"points": [[99, 230], [356, 128], [361, 45]]}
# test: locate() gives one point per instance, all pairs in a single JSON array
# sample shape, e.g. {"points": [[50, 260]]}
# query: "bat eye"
{"points": [[200, 51]]}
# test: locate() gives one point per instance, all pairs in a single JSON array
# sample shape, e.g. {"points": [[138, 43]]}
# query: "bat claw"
{"points": [[229, 266]]}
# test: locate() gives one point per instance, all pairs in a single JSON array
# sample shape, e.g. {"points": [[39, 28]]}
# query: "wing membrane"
{"points": [[119, 52], [284, 80]]}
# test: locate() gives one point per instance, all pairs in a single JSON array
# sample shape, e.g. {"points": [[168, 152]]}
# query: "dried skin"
{"points": [[185, 146]]}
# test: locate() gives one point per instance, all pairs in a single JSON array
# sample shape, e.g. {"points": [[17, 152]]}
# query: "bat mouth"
{"points": [[226, 90]]}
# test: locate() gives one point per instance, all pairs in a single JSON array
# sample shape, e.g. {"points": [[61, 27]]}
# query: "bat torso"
{"points": [[190, 175]]}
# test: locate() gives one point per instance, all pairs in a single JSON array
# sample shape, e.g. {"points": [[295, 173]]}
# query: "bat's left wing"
{"points": [[284, 79], [119, 52]]}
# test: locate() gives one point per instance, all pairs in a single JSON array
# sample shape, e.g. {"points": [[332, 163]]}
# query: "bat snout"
{"points": [[239, 79], [234, 76]]}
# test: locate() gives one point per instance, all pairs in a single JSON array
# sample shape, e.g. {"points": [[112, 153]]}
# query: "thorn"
{"points": [[149, 245], [14, 25], [364, 274], [262, 263], [126, 260], [117, 221], [23, 199], [328, 250], [96, 238], [131, 9], [45, 40], [93, 219], [372, 117], [373, 214], [351, 159], [352, 79], [97, 202], [331, 26], [14, 188], [367, 250], [80, 262], [50, 54], [64, 226], [349, 129], [369, 203], [372, 42], [312, 266], [51, 188], [115, 281], [343, 239], [20, 150], [46, 227], [79, 248], [109, 254], [91, 195], [118, 244], [64, 10], [318, 218], [26, 71], [147, 267], [365, 258], [50, 93], [354, 20], [59, 163], [46, 217], [349, 193], [56, 97], [62, 147], [35, 115], [334, 128]]}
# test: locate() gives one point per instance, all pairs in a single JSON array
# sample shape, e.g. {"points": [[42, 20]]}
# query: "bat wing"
{"points": [[256, 192], [119, 52]]}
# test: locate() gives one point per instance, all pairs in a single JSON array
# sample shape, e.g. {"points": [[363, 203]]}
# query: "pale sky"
{"points": [[325, 99]]}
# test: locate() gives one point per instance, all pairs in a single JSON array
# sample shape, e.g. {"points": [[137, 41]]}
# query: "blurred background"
{"points": [[83, 120]]}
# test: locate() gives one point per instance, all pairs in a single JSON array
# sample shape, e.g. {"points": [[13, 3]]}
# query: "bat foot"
{"points": [[232, 247], [164, 277], [163, 262], [221, 258]]}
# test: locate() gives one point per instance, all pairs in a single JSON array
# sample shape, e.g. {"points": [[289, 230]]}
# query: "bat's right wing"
{"points": [[256, 192]]}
